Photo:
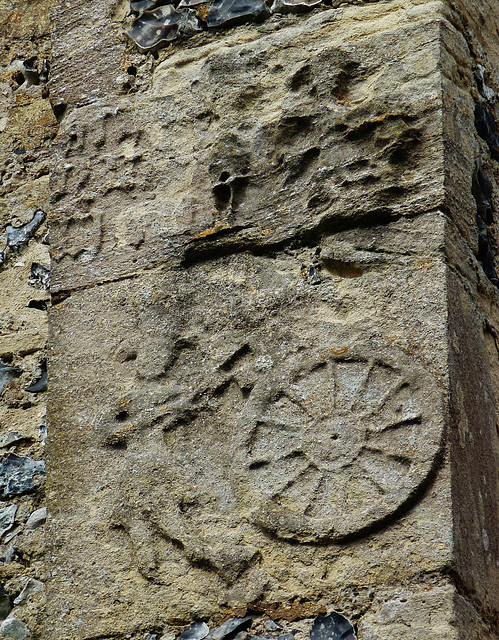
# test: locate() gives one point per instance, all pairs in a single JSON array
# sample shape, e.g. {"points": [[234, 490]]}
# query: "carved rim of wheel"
{"points": [[333, 445]]}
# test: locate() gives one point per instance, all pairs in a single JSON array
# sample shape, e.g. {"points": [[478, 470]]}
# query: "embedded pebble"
{"points": [[162, 25], [19, 474], [7, 374], [37, 518], [18, 237], [5, 606], [332, 627], [39, 385], [281, 6], [10, 438], [39, 276], [481, 80], [32, 586], [487, 129], [224, 13], [12, 627], [196, 631], [229, 628], [271, 625], [7, 518]]}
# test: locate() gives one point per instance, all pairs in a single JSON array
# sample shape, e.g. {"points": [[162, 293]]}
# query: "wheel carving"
{"points": [[337, 443]]}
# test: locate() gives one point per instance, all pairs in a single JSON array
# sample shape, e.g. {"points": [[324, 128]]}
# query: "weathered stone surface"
{"points": [[193, 358], [27, 127], [273, 261], [336, 141]]}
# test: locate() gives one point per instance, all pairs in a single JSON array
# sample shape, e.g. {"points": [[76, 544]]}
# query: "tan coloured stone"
{"points": [[27, 126], [269, 330]]}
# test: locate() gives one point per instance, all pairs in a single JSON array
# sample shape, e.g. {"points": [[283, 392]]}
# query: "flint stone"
{"points": [[332, 627], [32, 586], [190, 3], [12, 534], [7, 374], [17, 238], [12, 627], [271, 625], [39, 276], [162, 25], [480, 77], [196, 631], [229, 628], [486, 127], [9, 554], [7, 518], [40, 385], [37, 518], [19, 474], [10, 438], [282, 6], [225, 13]]}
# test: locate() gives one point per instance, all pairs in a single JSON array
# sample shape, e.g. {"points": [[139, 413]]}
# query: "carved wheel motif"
{"points": [[333, 445]]}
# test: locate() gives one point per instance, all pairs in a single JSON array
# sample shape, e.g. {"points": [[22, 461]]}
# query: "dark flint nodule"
{"points": [[272, 625], [41, 384], [143, 5], [313, 276], [485, 256], [196, 631], [7, 374], [190, 3], [162, 25], [332, 627], [487, 129], [225, 13], [229, 628], [39, 276], [482, 192], [281, 6], [40, 305], [5, 605], [17, 238], [19, 475], [45, 71]]}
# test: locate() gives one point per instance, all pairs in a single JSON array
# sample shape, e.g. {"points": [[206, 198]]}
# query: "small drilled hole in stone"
{"points": [[132, 71], [224, 176], [121, 416]]}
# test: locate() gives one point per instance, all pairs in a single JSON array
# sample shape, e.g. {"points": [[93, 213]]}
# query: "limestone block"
{"points": [[263, 263], [238, 423], [272, 135]]}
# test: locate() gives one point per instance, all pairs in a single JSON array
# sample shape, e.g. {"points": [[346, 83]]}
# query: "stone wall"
{"points": [[27, 126], [273, 333]]}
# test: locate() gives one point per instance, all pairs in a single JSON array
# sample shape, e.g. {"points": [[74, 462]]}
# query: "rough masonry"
{"points": [[273, 351]]}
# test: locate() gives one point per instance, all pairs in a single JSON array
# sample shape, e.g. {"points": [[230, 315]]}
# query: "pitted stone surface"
{"points": [[253, 233]]}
